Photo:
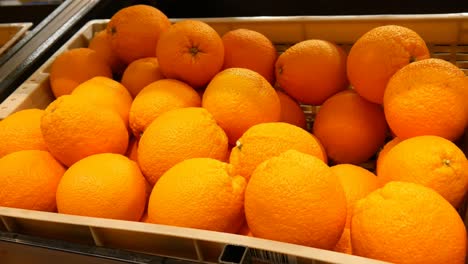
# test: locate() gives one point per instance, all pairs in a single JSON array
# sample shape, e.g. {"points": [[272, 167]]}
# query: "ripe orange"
{"points": [[157, 98], [134, 31], [103, 185], [190, 51], [350, 128], [430, 161], [311, 71], [291, 111], [296, 198], [244, 48], [75, 66], [102, 45], [357, 183], [29, 180], [408, 223], [384, 152], [73, 129], [438, 89], [178, 135], [140, 73], [267, 140], [199, 193], [245, 230], [106, 93], [240, 98], [21, 131], [378, 54]]}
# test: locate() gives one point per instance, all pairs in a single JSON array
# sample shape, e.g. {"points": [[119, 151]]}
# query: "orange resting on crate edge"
{"points": [[378, 54], [103, 185], [423, 218], [199, 193], [29, 180], [296, 198]]}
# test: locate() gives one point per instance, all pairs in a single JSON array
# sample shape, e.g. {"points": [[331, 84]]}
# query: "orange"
{"points": [[438, 89], [21, 131], [178, 135], [102, 45], [103, 185], [199, 193], [245, 230], [132, 150], [134, 31], [408, 223], [73, 129], [29, 180], [157, 98], [430, 161], [240, 98], [312, 70], [267, 140], [190, 51], [140, 73], [296, 198], [75, 66], [291, 111], [350, 128], [244, 48], [378, 54], [385, 150], [106, 93], [357, 183]]}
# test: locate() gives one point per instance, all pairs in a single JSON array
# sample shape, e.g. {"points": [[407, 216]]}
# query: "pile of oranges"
{"points": [[174, 124]]}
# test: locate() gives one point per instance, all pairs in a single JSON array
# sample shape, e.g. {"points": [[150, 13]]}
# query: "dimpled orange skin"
{"points": [[264, 141], [134, 31], [378, 54], [190, 51], [430, 161], [357, 183], [29, 180], [178, 135], [408, 223], [21, 131], [141, 73], [244, 48], [296, 198], [387, 147], [107, 93], [104, 185], [74, 129], [74, 67], [240, 98], [291, 111], [438, 89], [199, 193], [311, 71], [157, 98], [350, 128]]}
